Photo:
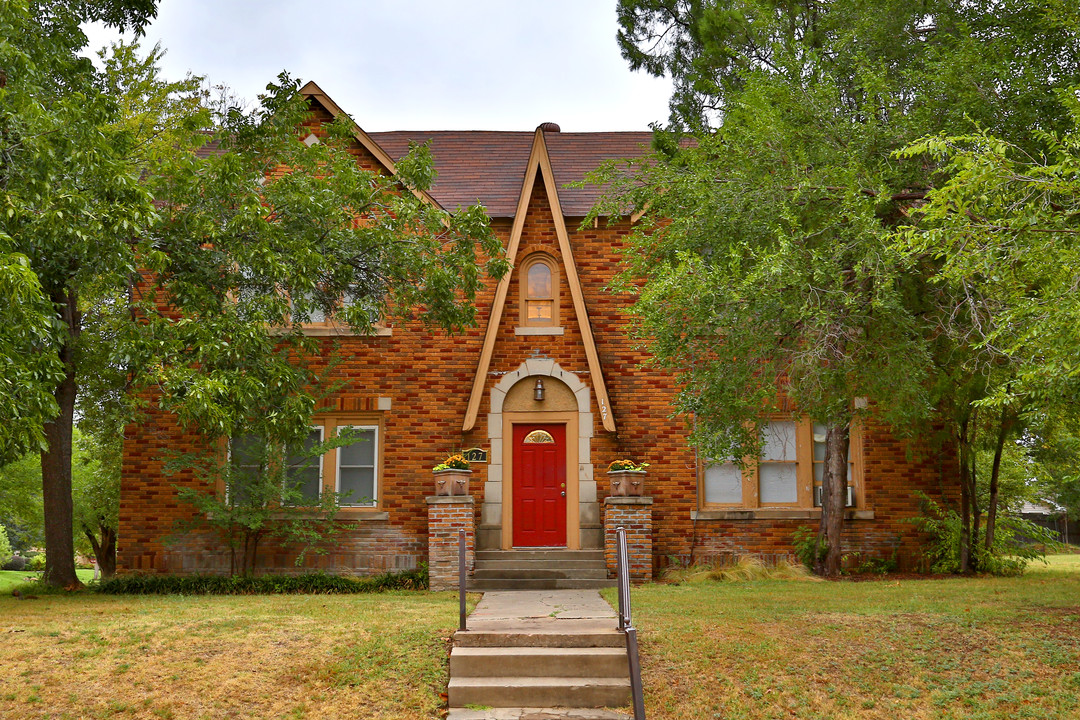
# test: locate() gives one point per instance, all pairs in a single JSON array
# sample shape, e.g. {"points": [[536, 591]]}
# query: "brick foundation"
{"points": [[447, 515], [634, 514]]}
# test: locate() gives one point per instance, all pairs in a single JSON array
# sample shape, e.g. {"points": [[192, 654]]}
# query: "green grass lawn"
{"points": [[306, 656], [11, 579], [945, 648]]}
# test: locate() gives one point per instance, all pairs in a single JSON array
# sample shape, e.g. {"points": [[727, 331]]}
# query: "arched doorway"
{"points": [[518, 511]]}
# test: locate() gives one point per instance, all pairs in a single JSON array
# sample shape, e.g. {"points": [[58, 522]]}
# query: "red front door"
{"points": [[539, 485]]}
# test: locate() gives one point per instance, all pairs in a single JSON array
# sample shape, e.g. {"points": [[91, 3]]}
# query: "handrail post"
{"points": [[619, 575], [636, 689], [462, 572], [626, 622], [622, 564]]}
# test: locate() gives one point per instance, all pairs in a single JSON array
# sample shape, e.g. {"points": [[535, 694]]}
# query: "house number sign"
{"points": [[475, 455]]}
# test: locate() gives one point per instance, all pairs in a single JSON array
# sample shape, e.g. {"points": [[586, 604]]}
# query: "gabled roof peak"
{"points": [[538, 169]]}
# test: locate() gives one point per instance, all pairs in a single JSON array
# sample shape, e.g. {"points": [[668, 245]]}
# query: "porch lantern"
{"points": [[538, 391]]}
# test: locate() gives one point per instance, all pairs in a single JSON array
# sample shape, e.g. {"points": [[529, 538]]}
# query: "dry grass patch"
{"points": [[311, 656], [918, 649], [745, 569]]}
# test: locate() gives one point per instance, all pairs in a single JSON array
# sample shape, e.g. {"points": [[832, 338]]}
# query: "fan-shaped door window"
{"points": [[540, 292], [539, 437]]}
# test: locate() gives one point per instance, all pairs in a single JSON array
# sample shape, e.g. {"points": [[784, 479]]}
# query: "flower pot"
{"points": [[627, 483], [452, 482]]}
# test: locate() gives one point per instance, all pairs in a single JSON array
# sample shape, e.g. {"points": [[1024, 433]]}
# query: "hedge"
{"points": [[306, 584]]}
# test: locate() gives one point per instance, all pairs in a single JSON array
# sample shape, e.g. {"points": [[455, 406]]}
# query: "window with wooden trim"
{"points": [[539, 281], [248, 462], [787, 474], [353, 471], [319, 322], [303, 470], [356, 467]]}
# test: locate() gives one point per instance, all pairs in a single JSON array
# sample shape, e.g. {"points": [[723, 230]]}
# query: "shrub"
{"points": [[306, 584], [809, 547], [858, 564], [17, 563], [5, 547], [1016, 542], [36, 563]]}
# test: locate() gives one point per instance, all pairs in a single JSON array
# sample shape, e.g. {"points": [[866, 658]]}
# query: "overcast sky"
{"points": [[420, 64]]}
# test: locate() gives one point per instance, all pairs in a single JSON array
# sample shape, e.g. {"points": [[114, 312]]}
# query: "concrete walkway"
{"points": [[538, 620], [550, 610]]}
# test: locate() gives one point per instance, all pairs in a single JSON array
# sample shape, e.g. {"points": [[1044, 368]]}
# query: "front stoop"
{"points": [[575, 672], [539, 570]]}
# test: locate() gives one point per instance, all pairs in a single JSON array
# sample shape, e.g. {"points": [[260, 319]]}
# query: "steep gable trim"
{"points": [[312, 90], [539, 162], [495, 318], [578, 295]]}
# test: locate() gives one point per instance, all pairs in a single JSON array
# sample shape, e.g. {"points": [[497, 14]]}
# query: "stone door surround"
{"points": [[583, 527]]}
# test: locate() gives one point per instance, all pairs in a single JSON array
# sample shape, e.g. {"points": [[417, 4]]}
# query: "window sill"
{"points": [[551, 330], [344, 513], [343, 331], [362, 514], [775, 514]]}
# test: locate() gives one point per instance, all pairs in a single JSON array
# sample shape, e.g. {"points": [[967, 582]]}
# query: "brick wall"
{"points": [[426, 377], [634, 515], [447, 517]]}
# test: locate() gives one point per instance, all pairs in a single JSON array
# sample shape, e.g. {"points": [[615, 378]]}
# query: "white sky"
{"points": [[420, 64]]}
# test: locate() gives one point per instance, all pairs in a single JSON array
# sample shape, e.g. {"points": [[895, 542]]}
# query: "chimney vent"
{"points": [[550, 127]]}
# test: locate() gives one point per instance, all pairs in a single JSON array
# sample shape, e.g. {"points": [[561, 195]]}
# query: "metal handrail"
{"points": [[622, 566], [626, 622], [462, 572]]}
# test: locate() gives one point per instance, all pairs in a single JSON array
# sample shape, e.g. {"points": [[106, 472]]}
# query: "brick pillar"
{"points": [[634, 514], [447, 514]]}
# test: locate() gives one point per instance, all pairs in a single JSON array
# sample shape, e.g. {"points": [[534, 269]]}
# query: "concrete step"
{"points": [[541, 638], [483, 584], [538, 662], [552, 554], [508, 691], [545, 563], [475, 713], [484, 572]]}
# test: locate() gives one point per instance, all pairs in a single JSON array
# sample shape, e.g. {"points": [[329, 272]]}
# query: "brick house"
{"points": [[548, 330]]}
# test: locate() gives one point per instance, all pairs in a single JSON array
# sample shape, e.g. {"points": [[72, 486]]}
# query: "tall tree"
{"points": [[180, 251], [779, 214], [72, 205], [778, 286], [1001, 225]]}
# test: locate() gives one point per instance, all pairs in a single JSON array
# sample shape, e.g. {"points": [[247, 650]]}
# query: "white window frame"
{"points": [[375, 456]]}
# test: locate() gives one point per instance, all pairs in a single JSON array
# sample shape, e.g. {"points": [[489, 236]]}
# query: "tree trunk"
{"points": [[56, 460], [104, 550], [965, 526], [976, 511], [834, 495], [251, 552], [992, 505], [969, 502]]}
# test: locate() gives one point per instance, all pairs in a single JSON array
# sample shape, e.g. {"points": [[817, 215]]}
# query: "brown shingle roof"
{"points": [[489, 166]]}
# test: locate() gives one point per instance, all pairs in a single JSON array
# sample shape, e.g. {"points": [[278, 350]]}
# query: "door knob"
{"points": [[563, 493]]}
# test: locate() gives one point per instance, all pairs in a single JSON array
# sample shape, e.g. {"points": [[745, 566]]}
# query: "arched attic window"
{"points": [[539, 281]]}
